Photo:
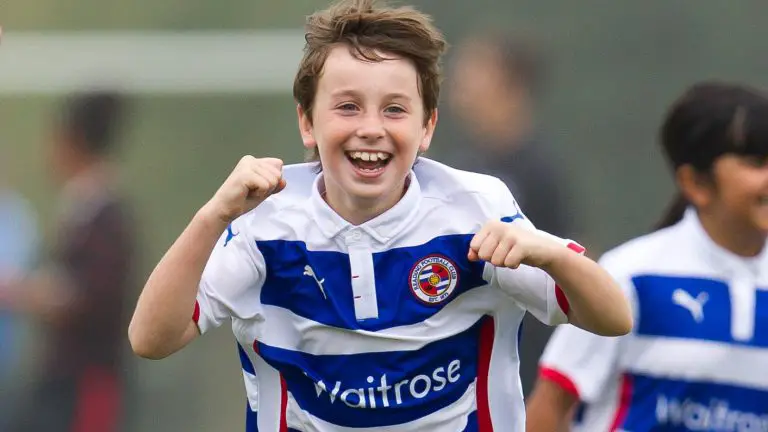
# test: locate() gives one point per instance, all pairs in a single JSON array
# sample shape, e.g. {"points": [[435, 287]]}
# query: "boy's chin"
{"points": [[371, 191]]}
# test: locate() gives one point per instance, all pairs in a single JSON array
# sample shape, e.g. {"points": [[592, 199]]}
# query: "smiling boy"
{"points": [[384, 290]]}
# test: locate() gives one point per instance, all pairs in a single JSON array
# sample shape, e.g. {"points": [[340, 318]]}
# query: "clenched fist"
{"points": [[250, 183], [509, 245]]}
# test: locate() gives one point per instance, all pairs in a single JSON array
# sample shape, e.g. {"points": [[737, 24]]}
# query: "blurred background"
{"points": [[570, 94]]}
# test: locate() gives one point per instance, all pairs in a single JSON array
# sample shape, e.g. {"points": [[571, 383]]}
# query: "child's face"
{"points": [[742, 190], [368, 125]]}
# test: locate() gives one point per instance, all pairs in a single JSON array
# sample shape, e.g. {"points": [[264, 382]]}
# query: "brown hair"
{"points": [[369, 31]]}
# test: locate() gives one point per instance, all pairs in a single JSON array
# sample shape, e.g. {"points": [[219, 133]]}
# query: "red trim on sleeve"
{"points": [[484, 422], [196, 313], [560, 379], [576, 247], [562, 300], [625, 399]]}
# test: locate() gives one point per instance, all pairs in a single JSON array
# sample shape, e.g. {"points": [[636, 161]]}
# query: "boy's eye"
{"points": [[347, 107], [395, 109]]}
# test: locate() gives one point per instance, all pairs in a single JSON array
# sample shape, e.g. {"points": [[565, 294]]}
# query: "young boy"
{"points": [[383, 292]]}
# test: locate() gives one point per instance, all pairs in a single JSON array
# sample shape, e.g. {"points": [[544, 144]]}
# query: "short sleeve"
{"points": [[581, 362], [531, 287], [230, 286]]}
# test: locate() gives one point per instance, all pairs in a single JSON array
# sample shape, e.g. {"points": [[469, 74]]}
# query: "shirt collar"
{"points": [[722, 257], [382, 228]]}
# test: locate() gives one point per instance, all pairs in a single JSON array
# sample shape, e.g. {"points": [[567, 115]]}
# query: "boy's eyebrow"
{"points": [[345, 92], [356, 94], [398, 96]]}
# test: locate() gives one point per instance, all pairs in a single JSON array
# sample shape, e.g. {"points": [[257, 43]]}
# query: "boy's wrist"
{"points": [[209, 217], [557, 256]]}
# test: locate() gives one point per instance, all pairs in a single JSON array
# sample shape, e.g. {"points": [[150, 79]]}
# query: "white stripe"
{"points": [[150, 62], [363, 283], [505, 393], [251, 390], [451, 418], [269, 394], [670, 358], [290, 331]]}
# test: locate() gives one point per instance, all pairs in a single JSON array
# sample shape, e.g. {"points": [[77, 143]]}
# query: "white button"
{"points": [[356, 235]]}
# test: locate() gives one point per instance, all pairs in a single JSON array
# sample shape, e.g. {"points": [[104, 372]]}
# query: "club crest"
{"points": [[433, 279]]}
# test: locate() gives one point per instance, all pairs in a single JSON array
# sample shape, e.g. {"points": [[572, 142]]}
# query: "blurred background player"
{"points": [[78, 293], [496, 82], [18, 249], [696, 359]]}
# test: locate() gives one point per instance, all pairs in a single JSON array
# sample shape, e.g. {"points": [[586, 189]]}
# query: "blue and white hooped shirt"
{"points": [[697, 359], [385, 325]]}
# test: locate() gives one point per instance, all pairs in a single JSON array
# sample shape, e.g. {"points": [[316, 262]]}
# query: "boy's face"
{"points": [[368, 126]]}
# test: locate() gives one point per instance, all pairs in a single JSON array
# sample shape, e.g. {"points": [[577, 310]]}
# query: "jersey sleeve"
{"points": [[580, 362], [529, 286], [231, 283]]}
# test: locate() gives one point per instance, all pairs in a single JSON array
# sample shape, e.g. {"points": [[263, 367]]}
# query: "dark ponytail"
{"points": [[673, 213], [709, 120]]}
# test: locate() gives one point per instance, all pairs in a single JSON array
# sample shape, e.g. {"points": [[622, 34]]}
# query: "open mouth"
{"points": [[369, 161]]}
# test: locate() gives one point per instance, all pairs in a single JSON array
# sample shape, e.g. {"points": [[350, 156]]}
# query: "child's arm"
{"points": [[597, 304], [550, 408], [576, 366], [162, 322]]}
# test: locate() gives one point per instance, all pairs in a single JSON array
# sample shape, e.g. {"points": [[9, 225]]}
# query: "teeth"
{"points": [[369, 156]]}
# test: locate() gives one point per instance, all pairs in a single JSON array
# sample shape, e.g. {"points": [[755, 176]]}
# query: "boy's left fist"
{"points": [[509, 245]]}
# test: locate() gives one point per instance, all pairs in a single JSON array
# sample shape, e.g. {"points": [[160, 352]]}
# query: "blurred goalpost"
{"points": [[150, 62]]}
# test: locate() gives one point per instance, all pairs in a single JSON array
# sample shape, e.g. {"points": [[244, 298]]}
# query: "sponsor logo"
{"points": [[715, 415], [382, 392]]}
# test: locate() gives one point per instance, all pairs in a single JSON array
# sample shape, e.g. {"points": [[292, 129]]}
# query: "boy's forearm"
{"points": [[597, 304], [166, 304]]}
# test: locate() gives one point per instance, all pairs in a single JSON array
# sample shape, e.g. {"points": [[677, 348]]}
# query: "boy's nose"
{"points": [[371, 128]]}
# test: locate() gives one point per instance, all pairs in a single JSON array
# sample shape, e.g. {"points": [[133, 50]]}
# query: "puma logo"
{"points": [[695, 305], [311, 273], [230, 235]]}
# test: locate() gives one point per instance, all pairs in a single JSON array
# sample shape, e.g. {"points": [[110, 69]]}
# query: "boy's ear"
{"points": [[305, 128], [429, 131]]}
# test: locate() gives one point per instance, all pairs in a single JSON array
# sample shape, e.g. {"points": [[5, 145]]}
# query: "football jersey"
{"points": [[385, 325], [697, 358]]}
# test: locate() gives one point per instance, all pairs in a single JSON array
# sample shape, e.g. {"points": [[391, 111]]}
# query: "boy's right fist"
{"points": [[250, 183]]}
